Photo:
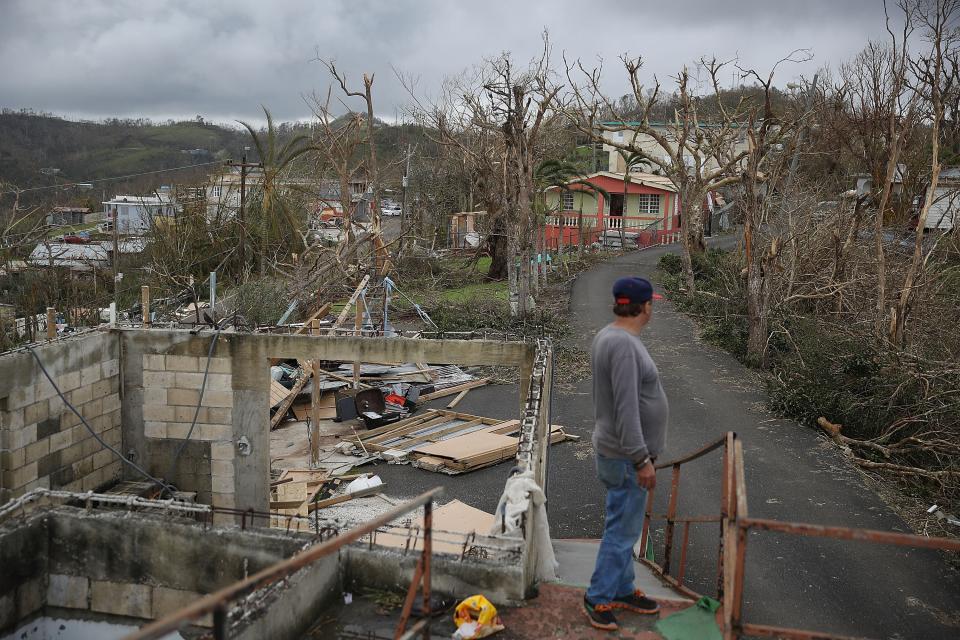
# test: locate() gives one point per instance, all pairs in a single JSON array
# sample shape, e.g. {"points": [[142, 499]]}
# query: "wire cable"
{"points": [[97, 180], [83, 420]]}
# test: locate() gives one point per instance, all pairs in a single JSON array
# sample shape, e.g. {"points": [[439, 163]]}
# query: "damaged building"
{"points": [[141, 479]]}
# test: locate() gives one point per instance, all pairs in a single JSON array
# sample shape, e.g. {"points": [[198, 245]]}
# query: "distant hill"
{"points": [[83, 151]]}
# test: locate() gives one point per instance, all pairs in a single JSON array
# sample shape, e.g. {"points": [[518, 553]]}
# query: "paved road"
{"points": [[791, 474]]}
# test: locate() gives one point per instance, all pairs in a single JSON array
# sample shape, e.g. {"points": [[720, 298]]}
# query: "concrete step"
{"points": [[578, 557]]}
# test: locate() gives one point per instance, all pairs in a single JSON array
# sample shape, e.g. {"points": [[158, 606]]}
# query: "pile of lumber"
{"points": [[449, 441], [298, 492]]}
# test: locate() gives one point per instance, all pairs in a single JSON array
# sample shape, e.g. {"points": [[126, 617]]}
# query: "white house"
{"points": [[223, 190], [610, 159], [137, 214], [944, 213]]}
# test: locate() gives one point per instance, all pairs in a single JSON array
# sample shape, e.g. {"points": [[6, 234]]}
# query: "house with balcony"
{"points": [[645, 204], [609, 158]]}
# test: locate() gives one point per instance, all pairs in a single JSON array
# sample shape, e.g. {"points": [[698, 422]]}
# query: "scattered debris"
{"points": [[451, 442], [476, 617], [454, 517]]}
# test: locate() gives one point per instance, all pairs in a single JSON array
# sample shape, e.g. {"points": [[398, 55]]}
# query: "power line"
{"points": [[132, 175]]}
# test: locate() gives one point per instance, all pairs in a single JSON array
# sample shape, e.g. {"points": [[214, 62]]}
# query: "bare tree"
{"points": [[499, 118], [338, 141], [697, 156], [372, 167], [939, 19]]}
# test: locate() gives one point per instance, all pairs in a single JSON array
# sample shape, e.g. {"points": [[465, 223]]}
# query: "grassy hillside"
{"points": [[90, 150]]}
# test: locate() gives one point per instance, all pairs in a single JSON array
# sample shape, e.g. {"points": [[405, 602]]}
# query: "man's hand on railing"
{"points": [[647, 476]]}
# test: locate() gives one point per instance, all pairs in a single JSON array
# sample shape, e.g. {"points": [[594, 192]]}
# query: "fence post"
{"points": [[145, 303], [51, 323]]}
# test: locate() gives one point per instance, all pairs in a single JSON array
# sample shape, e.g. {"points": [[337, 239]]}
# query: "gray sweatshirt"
{"points": [[630, 406]]}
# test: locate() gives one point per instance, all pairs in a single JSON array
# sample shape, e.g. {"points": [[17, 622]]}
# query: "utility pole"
{"points": [[406, 182], [243, 164], [116, 259]]}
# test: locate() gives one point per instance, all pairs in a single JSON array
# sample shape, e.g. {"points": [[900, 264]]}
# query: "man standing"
{"points": [[631, 413]]}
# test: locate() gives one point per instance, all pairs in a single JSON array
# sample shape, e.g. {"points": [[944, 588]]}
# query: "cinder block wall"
{"points": [[144, 567], [227, 457], [42, 442], [171, 395]]}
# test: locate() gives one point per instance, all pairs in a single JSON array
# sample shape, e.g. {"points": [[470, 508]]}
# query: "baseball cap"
{"points": [[632, 290]]}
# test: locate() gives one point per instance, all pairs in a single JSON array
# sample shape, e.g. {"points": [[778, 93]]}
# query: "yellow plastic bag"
{"points": [[476, 617]]}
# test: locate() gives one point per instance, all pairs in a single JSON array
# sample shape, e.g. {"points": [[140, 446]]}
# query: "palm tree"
{"points": [[276, 216], [630, 160], [564, 175]]}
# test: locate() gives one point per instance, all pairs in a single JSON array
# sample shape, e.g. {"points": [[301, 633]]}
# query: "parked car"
{"points": [[77, 238], [390, 211]]}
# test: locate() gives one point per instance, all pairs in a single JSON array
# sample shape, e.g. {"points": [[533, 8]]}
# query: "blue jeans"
{"points": [[626, 501]]}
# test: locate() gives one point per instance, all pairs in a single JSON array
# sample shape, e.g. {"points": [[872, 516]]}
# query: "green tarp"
{"points": [[698, 622]]}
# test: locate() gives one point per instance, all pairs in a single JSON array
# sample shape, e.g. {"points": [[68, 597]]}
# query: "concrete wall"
{"points": [[23, 570], [162, 377], [367, 568], [42, 442], [143, 567]]}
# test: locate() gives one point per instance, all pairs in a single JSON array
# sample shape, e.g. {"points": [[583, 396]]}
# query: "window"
{"points": [[566, 201], [217, 190], [649, 203]]}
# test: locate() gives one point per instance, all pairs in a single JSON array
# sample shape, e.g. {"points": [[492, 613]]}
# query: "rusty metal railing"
{"points": [[739, 524], [217, 603], [665, 571], [735, 524]]}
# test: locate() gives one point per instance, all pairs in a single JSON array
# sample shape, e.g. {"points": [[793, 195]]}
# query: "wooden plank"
{"points": [[288, 402], [319, 313], [409, 429], [481, 461], [456, 401], [430, 463], [468, 445], [350, 303], [308, 476], [315, 414], [363, 493], [427, 437], [278, 393], [449, 391], [292, 492], [337, 376], [400, 424]]}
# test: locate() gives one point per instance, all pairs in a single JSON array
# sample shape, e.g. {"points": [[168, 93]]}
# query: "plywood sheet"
{"points": [[453, 522], [278, 393], [327, 404], [468, 445]]}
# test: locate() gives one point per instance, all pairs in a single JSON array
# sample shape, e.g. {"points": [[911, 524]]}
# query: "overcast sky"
{"points": [[222, 59]]}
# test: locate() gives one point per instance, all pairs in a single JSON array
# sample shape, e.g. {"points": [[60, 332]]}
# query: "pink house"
{"points": [[646, 205]]}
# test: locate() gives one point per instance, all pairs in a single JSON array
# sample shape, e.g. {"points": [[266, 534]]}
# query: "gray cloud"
{"points": [[223, 59]]}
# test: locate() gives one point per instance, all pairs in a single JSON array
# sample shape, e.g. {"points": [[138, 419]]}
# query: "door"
{"points": [[616, 204]]}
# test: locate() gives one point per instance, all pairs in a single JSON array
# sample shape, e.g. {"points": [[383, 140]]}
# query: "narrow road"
{"points": [[791, 474]]}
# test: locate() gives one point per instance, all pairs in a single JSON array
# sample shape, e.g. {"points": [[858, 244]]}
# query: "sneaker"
{"points": [[600, 615], [637, 602]]}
